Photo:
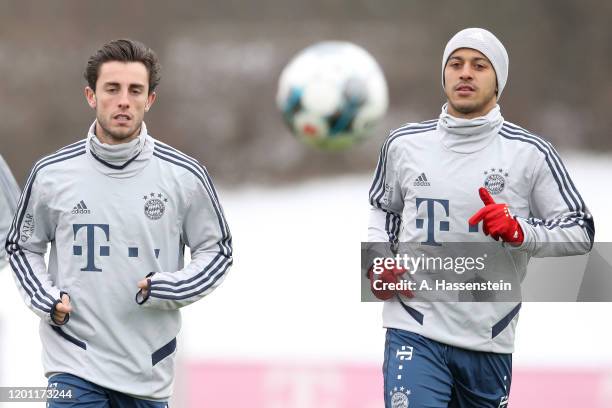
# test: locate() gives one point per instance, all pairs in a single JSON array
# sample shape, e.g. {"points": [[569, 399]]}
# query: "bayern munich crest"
{"points": [[399, 398], [495, 180], [155, 205]]}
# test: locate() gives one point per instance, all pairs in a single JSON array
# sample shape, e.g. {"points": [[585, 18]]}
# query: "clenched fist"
{"points": [[62, 309]]}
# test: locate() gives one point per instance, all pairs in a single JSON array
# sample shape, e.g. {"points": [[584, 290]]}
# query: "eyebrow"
{"points": [[118, 84], [471, 59]]}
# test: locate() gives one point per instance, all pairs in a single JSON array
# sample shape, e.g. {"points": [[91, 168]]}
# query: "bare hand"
{"points": [[143, 285], [62, 309]]}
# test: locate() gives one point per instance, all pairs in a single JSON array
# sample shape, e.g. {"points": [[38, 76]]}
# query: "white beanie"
{"points": [[484, 41]]}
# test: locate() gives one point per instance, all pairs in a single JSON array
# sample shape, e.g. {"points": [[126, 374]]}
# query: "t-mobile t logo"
{"points": [[90, 242], [444, 225]]}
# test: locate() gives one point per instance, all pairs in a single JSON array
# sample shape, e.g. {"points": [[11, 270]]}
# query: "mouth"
{"points": [[465, 89], [122, 118]]}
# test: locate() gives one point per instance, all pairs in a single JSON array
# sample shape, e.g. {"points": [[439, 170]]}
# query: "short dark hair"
{"points": [[124, 50]]}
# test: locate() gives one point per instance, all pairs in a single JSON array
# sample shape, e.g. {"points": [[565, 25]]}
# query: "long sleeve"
{"points": [[9, 194], [560, 223], [386, 199], [387, 204], [206, 233], [26, 244]]}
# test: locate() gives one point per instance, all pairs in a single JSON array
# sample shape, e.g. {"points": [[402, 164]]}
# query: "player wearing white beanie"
{"points": [[484, 41], [471, 177]]}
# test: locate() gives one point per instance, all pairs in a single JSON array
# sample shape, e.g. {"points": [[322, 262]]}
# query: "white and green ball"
{"points": [[332, 94]]}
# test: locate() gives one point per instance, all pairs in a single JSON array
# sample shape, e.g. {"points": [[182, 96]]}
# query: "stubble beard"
{"points": [[476, 106], [123, 136]]}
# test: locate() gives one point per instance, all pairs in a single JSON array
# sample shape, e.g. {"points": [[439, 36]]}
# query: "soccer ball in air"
{"points": [[332, 94]]}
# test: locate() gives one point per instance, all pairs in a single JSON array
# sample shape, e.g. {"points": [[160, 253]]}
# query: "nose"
{"points": [[466, 72], [124, 100]]}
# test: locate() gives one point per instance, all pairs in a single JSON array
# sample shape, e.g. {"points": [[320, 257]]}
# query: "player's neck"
{"points": [[472, 114], [108, 139]]}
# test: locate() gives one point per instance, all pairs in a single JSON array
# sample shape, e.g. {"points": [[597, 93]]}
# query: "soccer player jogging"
{"points": [[468, 176], [118, 208]]}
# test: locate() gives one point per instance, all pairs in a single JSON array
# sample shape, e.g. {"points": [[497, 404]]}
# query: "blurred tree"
{"points": [[221, 61]]}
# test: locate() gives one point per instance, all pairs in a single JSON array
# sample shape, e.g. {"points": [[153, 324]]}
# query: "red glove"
{"points": [[496, 220], [389, 275]]}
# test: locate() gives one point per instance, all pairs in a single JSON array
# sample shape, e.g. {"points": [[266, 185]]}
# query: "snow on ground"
{"points": [[293, 293]]}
